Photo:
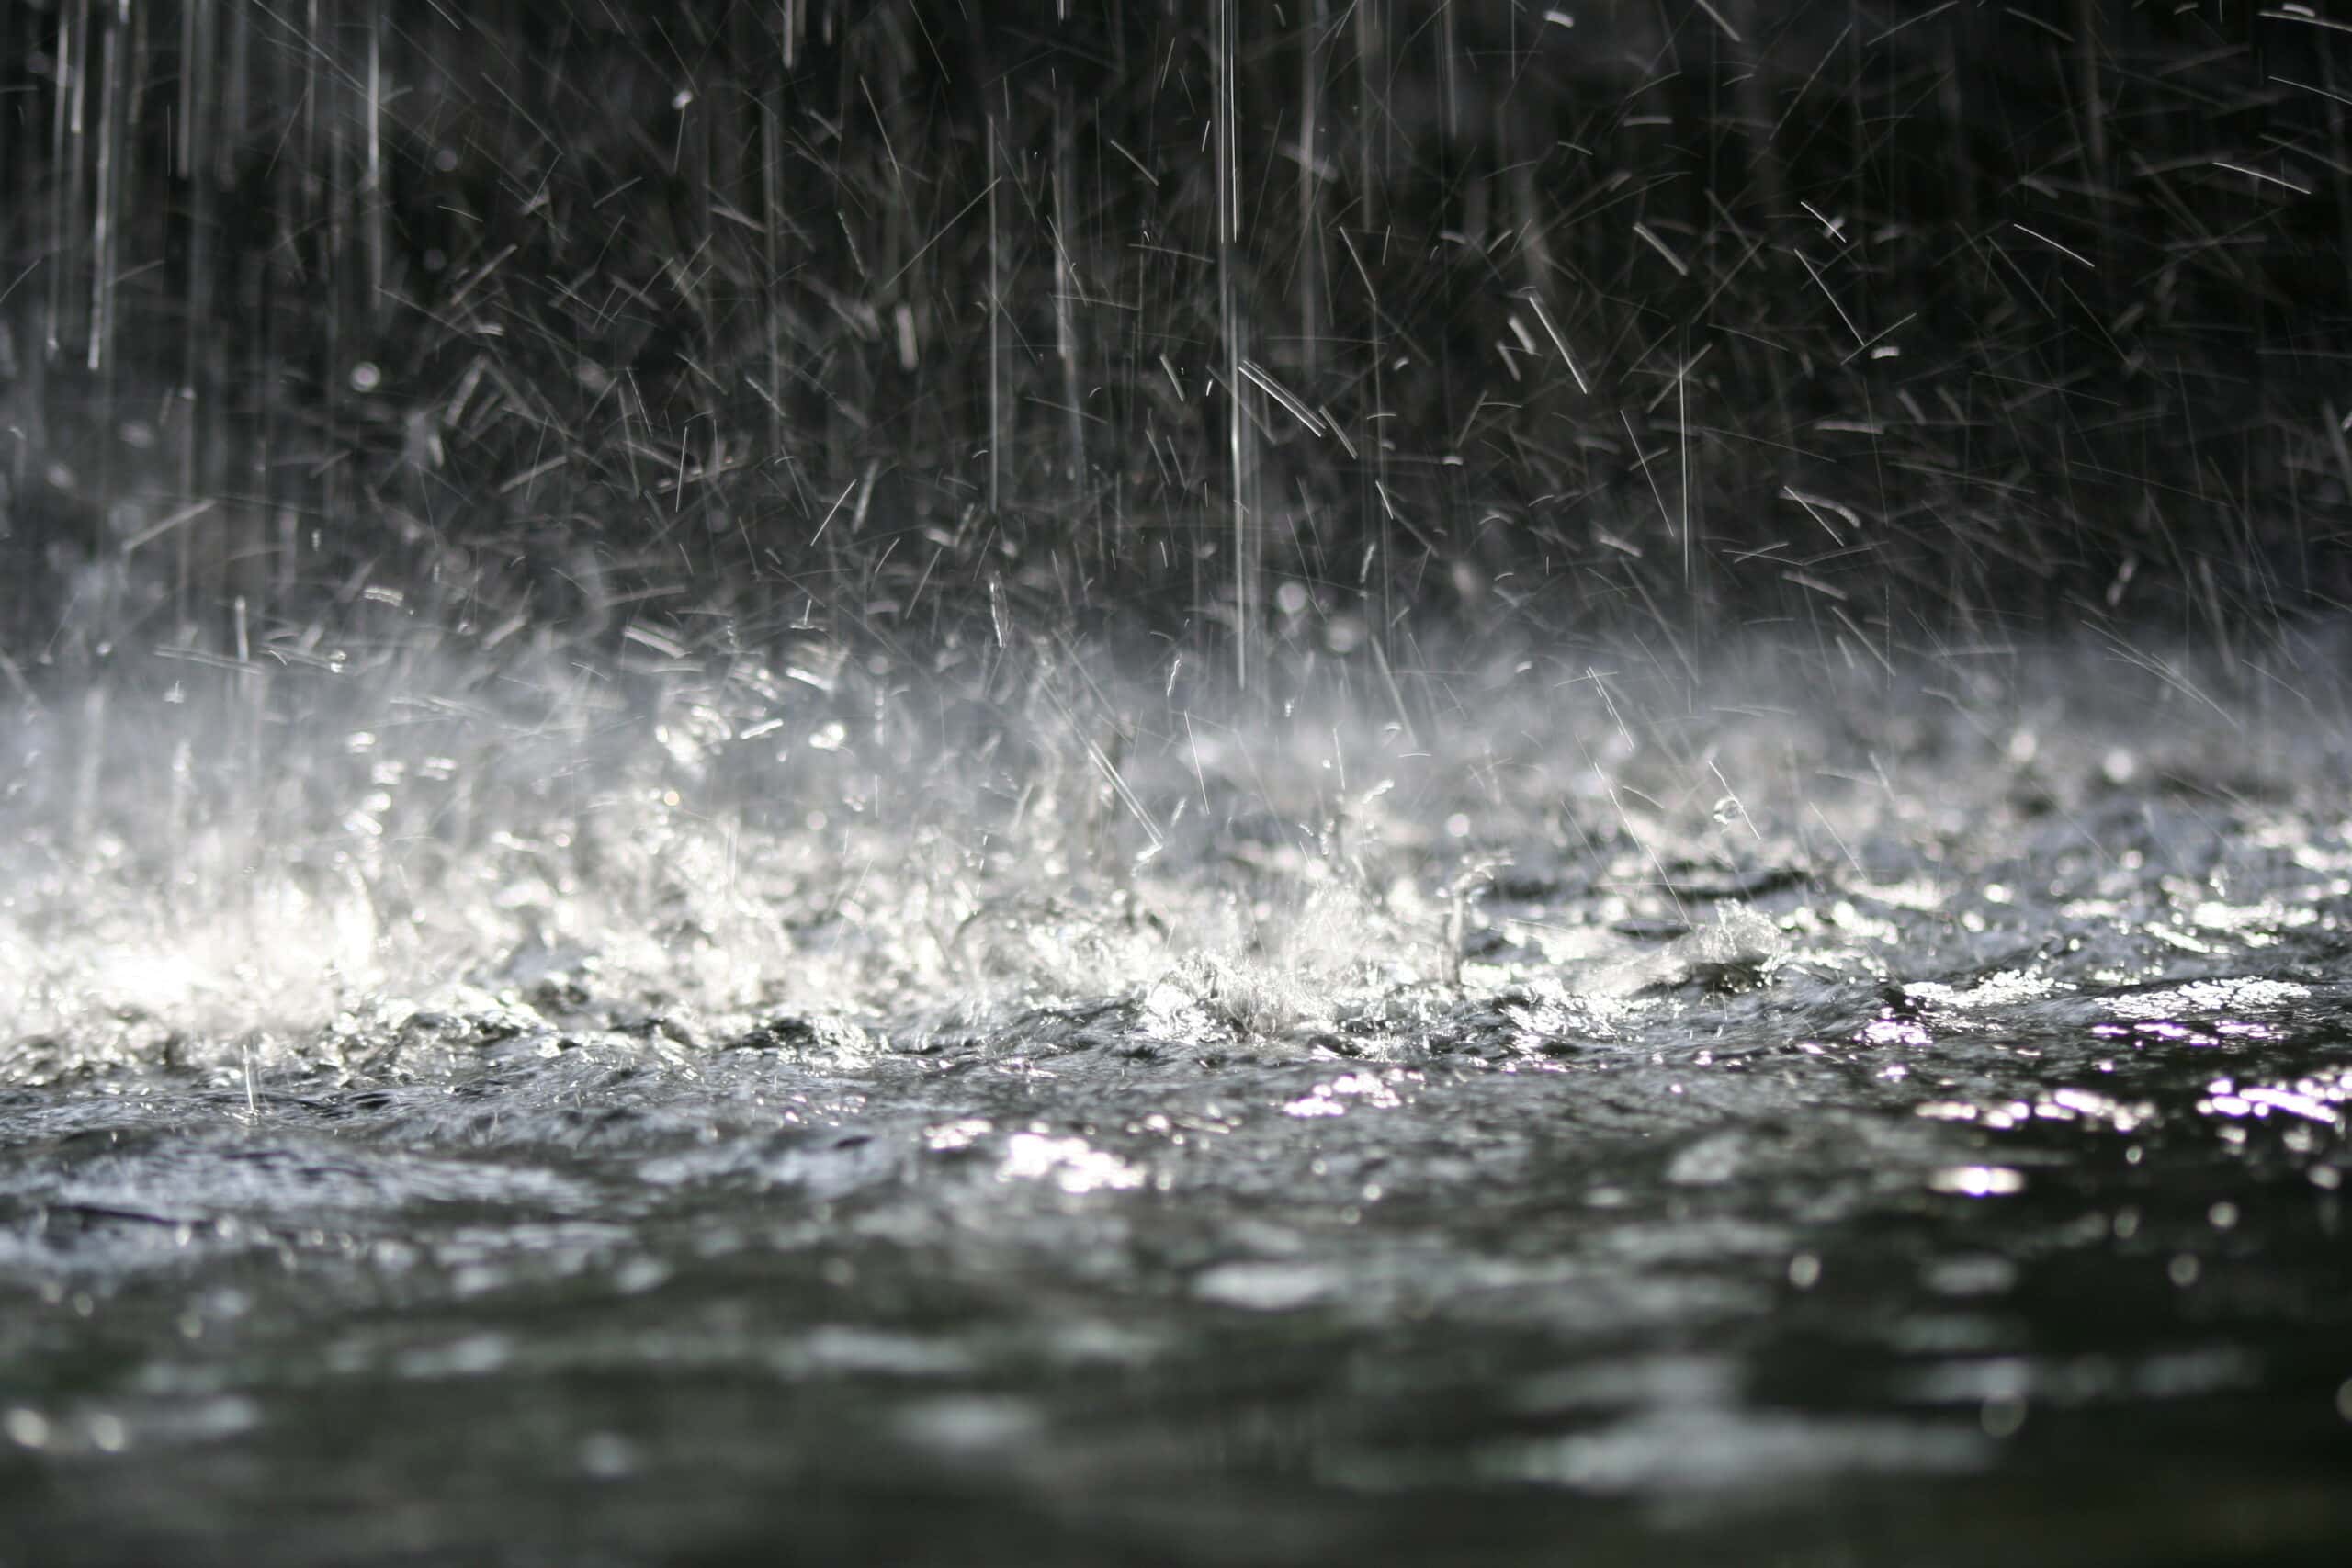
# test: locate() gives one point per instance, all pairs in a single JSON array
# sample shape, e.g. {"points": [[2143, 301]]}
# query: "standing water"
{"points": [[1392, 782]]}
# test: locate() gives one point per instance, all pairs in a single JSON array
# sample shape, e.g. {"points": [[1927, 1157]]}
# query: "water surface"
{"points": [[1857, 1122]]}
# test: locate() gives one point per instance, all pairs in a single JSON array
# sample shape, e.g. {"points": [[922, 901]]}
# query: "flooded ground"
{"points": [[1814, 1108]]}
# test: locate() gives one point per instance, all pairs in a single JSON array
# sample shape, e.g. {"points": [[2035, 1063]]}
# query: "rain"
{"points": [[1180, 782]]}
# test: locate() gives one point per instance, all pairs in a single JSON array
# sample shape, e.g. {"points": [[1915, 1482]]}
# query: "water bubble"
{"points": [[365, 376]]}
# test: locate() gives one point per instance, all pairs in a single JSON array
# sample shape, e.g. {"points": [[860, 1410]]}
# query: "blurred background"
{"points": [[1235, 321]]}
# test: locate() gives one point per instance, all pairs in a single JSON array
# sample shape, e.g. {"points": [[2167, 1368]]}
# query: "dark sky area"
{"points": [[846, 309]]}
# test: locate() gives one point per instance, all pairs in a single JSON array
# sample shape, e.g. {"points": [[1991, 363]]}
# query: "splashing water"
{"points": [[1544, 1103], [923, 784]]}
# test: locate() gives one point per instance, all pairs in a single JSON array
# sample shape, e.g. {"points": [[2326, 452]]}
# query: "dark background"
{"points": [[719, 320]]}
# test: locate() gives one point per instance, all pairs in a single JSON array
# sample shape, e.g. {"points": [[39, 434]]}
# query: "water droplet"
{"points": [[608, 1455], [1978, 1180], [2002, 1415], [108, 1434]]}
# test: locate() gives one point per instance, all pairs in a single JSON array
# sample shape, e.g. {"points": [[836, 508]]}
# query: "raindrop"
{"points": [[107, 1433]]}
